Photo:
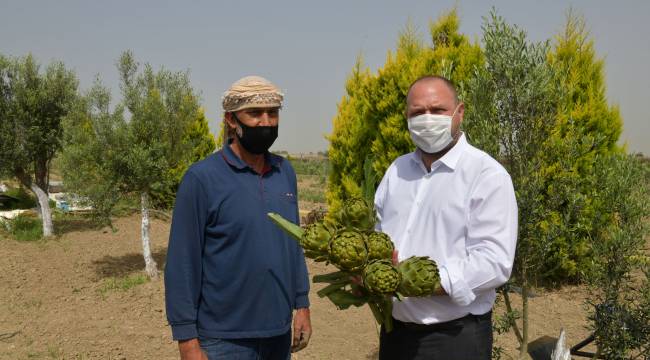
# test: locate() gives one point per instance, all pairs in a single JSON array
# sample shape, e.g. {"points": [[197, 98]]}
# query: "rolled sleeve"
{"points": [[184, 331], [454, 285], [302, 301]]}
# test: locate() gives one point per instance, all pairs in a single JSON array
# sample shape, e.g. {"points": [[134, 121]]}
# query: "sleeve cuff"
{"points": [[302, 301], [455, 286], [184, 332]]}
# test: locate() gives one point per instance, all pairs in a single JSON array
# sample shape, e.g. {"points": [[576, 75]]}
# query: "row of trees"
{"points": [[541, 110], [139, 147]]}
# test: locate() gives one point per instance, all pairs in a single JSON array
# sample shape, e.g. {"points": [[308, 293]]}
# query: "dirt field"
{"points": [[57, 302]]}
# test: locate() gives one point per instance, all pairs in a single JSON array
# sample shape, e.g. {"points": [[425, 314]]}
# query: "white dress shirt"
{"points": [[463, 215]]}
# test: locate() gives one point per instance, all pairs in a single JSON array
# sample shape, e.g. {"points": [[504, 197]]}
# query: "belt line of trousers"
{"points": [[469, 337]]}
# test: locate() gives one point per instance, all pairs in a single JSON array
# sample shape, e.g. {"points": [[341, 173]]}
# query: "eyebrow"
{"points": [[422, 107]]}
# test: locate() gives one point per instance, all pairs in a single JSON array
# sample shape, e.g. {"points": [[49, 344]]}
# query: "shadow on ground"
{"points": [[120, 266], [70, 224]]}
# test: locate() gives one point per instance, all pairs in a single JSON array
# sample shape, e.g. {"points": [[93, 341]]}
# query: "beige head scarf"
{"points": [[250, 92]]}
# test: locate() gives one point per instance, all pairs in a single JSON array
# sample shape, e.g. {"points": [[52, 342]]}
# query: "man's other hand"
{"points": [[301, 330]]}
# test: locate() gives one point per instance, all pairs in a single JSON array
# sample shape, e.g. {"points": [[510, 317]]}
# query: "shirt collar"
{"points": [[450, 159], [233, 160]]}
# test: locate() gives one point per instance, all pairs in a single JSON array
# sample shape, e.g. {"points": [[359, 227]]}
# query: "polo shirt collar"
{"points": [[233, 160], [450, 159]]}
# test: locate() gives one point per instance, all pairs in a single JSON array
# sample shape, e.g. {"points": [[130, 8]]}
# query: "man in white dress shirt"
{"points": [[455, 204]]}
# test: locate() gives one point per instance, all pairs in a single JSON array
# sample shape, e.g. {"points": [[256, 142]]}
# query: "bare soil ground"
{"points": [[55, 303]]}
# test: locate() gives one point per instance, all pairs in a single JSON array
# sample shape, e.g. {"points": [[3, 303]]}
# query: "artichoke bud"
{"points": [[356, 213], [419, 276], [379, 246], [316, 238], [347, 250], [381, 277]]}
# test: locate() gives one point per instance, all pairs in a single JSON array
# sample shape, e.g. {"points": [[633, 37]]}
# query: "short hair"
{"points": [[450, 85]]}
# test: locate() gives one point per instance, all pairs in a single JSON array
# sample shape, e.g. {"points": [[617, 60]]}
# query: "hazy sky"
{"points": [[305, 47]]}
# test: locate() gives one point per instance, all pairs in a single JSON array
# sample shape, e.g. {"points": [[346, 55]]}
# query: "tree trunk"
{"points": [[44, 209], [510, 310], [523, 353], [150, 265]]}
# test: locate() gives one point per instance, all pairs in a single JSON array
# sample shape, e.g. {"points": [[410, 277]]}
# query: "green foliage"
{"points": [[513, 101], [25, 200], [163, 107], [581, 74], [586, 123], [92, 161], [312, 178], [25, 227], [620, 268], [530, 110], [108, 157], [370, 124], [517, 112], [310, 166], [221, 138], [32, 105], [5, 100], [314, 195], [122, 283], [200, 143]]}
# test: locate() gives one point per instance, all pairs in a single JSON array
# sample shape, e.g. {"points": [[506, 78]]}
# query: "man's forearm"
{"points": [[190, 349]]}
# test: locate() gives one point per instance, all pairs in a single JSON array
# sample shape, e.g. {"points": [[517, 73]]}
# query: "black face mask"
{"points": [[256, 139]]}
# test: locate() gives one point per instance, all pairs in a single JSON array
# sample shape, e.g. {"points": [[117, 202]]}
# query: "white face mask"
{"points": [[431, 133]]}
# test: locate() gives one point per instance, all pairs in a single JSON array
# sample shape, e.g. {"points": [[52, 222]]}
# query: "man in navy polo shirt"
{"points": [[232, 278]]}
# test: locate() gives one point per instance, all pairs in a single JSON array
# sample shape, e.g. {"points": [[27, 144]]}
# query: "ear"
{"points": [[461, 113], [230, 120]]}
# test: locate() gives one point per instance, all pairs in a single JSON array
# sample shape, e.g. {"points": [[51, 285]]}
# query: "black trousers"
{"points": [[467, 338]]}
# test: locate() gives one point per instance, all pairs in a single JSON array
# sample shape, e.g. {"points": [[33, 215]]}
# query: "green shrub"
{"points": [[619, 275], [26, 228]]}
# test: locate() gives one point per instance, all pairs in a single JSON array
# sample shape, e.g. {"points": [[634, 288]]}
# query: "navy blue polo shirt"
{"points": [[231, 272]]}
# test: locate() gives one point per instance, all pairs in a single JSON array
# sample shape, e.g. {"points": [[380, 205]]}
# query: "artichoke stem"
{"points": [[388, 314], [376, 312], [290, 228]]}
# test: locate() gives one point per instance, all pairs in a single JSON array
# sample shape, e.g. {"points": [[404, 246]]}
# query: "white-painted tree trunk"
{"points": [[150, 265], [44, 209]]}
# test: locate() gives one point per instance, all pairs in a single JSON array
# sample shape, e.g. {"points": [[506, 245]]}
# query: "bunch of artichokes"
{"points": [[349, 242]]}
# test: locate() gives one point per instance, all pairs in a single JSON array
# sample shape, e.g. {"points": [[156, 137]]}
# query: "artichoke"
{"points": [[381, 277], [347, 250], [419, 276], [356, 213], [379, 246], [315, 240]]}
